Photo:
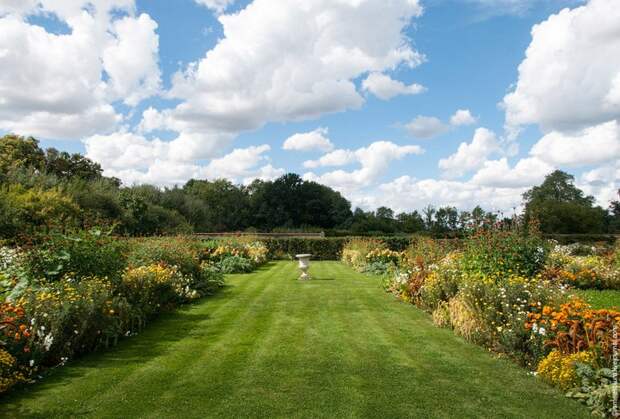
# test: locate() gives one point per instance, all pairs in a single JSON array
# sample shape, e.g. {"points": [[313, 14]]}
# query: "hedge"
{"points": [[329, 248]]}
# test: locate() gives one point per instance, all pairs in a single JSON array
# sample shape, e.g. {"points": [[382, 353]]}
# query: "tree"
{"points": [[19, 153], [410, 222], [560, 207], [71, 166]]}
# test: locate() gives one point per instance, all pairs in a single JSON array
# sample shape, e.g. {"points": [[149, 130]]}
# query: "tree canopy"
{"points": [[50, 189]]}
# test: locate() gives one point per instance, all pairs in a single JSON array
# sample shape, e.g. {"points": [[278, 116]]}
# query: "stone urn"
{"points": [[304, 264]]}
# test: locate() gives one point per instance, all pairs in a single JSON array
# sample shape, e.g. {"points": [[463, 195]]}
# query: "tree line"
{"points": [[43, 190]]}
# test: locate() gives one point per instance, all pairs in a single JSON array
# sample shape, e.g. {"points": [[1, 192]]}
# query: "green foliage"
{"points": [[561, 207], [235, 265], [78, 255], [322, 249], [596, 389], [28, 211], [180, 251], [493, 253]]}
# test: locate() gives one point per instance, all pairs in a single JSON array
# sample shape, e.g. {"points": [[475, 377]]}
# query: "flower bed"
{"points": [[69, 295], [509, 291], [234, 256]]}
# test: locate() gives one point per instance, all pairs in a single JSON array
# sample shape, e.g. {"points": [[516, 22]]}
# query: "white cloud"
{"points": [[131, 61], [569, 77], [308, 141], [62, 85], [526, 173], [374, 160], [603, 183], [425, 127], [406, 194], [134, 159], [593, 145], [470, 156], [335, 158], [218, 5], [237, 163], [462, 117], [385, 88], [298, 63]]}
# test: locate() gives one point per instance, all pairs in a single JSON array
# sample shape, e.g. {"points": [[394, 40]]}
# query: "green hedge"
{"points": [[582, 238], [329, 248]]}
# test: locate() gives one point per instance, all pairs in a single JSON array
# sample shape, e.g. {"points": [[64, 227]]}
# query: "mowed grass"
{"points": [[600, 298], [271, 346]]}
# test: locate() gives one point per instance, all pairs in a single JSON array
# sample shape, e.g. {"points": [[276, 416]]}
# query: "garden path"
{"points": [[271, 346]]}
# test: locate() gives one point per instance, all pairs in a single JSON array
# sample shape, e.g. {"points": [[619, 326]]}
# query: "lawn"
{"points": [[600, 298], [271, 346]]}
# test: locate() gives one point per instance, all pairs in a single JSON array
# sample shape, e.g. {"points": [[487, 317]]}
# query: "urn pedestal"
{"points": [[304, 265]]}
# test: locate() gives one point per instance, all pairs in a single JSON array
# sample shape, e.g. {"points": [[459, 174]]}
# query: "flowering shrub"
{"points": [[506, 291], [58, 315], [498, 254], [583, 272], [355, 251], [182, 252], [561, 370], [386, 256], [575, 327], [152, 288], [82, 254], [235, 256]]}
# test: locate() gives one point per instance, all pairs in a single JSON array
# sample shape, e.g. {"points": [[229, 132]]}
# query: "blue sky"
{"points": [[472, 52]]}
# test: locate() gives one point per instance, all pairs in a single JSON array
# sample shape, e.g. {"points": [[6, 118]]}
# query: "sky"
{"points": [[399, 103]]}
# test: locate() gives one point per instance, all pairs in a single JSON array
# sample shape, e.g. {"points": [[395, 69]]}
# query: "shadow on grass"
{"points": [[156, 339]]}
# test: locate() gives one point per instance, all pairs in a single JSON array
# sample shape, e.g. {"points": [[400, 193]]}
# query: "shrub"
{"points": [[502, 309], [585, 272], [152, 288], [182, 252], [494, 253], [597, 389], [441, 284], [561, 370], [234, 256], [67, 318], [80, 255], [235, 264], [355, 252]]}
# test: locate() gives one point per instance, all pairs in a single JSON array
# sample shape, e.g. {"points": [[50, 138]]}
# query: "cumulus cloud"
{"points": [[407, 193], [335, 158], [527, 172], [296, 64], [135, 159], [569, 77], [63, 85], [243, 163], [218, 5], [602, 182], [374, 161], [308, 141], [470, 156], [385, 88], [425, 127], [592, 145], [463, 117]]}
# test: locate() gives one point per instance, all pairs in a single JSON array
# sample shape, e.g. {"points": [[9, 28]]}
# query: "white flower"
{"points": [[542, 331], [32, 363], [47, 342]]}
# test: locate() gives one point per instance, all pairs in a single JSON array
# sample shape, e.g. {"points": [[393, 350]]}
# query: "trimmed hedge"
{"points": [[329, 248]]}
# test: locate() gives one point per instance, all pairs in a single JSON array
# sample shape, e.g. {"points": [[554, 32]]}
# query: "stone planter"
{"points": [[304, 264]]}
